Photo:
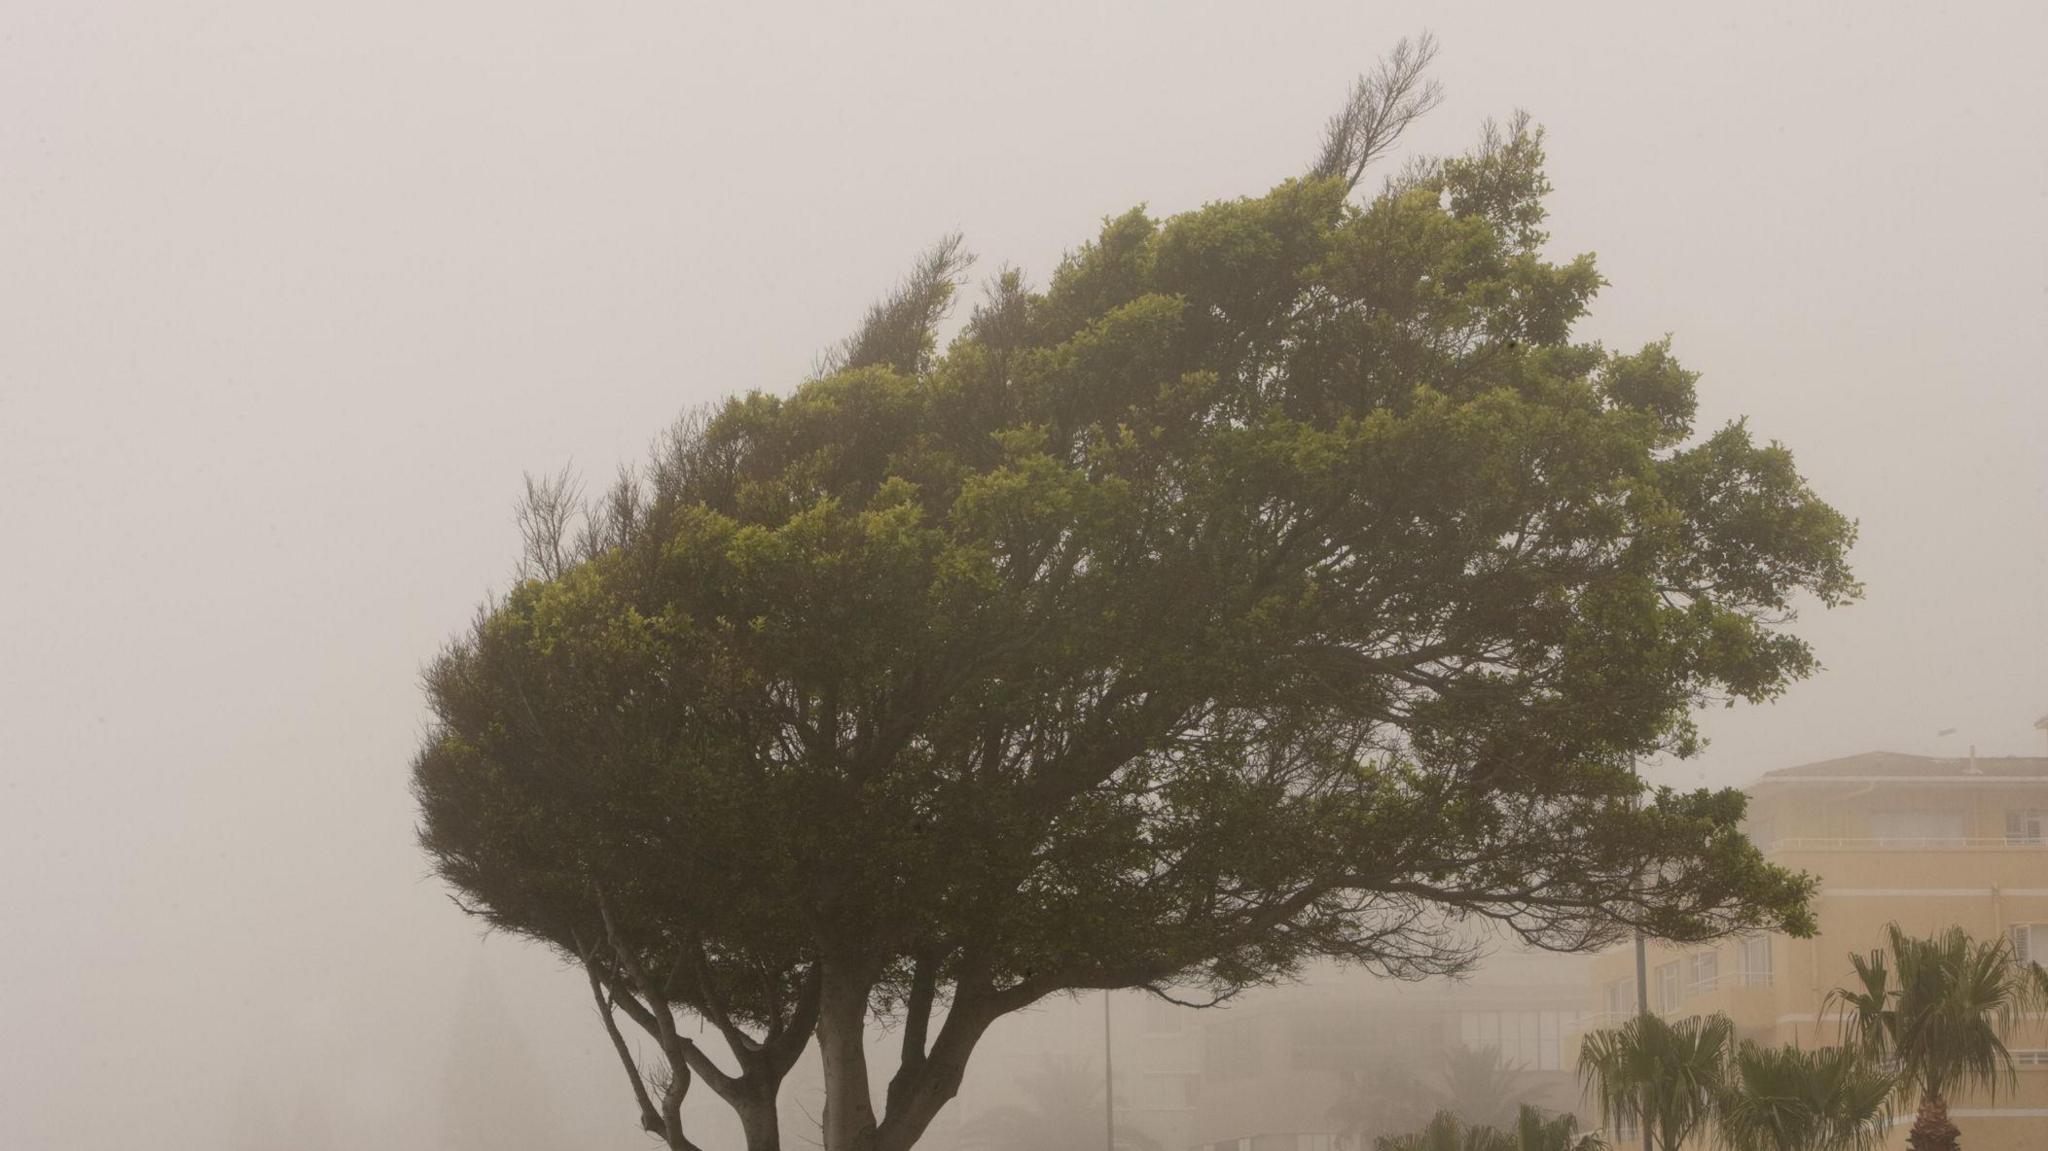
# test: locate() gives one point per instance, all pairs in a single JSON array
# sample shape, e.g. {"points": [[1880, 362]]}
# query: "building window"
{"points": [[2026, 827], [1668, 986], [1925, 828], [1621, 996], [1526, 1039], [2030, 942], [1706, 971], [1756, 959]]}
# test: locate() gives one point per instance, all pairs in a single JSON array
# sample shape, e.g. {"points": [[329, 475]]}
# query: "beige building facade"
{"points": [[1922, 842]]}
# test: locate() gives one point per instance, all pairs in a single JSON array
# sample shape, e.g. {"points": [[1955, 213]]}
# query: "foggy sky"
{"points": [[291, 294]]}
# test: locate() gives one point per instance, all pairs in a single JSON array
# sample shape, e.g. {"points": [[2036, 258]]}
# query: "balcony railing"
{"points": [[1731, 979], [1909, 843]]}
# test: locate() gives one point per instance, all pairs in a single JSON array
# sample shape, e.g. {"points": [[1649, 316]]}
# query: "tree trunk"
{"points": [[760, 1123], [1931, 1129], [849, 1122]]}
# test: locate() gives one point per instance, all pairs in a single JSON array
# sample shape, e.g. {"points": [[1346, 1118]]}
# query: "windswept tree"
{"points": [[1280, 582], [1938, 1008]]}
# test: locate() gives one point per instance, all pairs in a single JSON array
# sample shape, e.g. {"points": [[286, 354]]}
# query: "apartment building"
{"points": [[1926, 843]]}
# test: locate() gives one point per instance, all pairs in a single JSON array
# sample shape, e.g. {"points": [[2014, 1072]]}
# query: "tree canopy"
{"points": [[1281, 581]]}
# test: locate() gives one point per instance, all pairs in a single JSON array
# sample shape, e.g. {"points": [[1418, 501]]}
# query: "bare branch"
{"points": [[650, 1119], [544, 515], [1382, 104]]}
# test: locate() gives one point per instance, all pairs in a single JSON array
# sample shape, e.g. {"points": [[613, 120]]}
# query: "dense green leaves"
{"points": [[1675, 1079], [1785, 1099], [1532, 1129], [1657, 1075]]}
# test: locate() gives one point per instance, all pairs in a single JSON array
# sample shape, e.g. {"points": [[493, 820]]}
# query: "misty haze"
{"points": [[1143, 578]]}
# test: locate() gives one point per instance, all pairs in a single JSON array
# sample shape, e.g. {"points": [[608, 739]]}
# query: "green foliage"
{"points": [[1533, 1130], [1938, 1008], [1674, 1079], [1382, 1096], [1482, 1087], [1658, 1075], [1537, 1130], [1785, 1099], [1447, 1132], [1281, 582], [1477, 1086]]}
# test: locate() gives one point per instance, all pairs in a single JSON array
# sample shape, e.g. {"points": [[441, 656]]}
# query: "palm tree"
{"points": [[1380, 1096], [1479, 1086], [1482, 1086], [1785, 1099], [1659, 1074], [1064, 1113], [1538, 1130], [1940, 1018], [1447, 1132], [1535, 1130]]}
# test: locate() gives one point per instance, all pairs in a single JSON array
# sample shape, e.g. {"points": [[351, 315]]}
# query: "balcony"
{"points": [[1909, 843], [1900, 866], [1743, 995]]}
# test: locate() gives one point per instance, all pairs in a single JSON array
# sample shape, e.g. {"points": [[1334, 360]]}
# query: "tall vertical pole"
{"points": [[1108, 1082], [1643, 1009], [1642, 972]]}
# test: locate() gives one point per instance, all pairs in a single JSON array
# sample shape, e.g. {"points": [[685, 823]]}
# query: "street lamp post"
{"points": [[1108, 1083]]}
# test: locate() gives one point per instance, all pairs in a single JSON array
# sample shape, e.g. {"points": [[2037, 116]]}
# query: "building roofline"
{"points": [[1875, 767]]}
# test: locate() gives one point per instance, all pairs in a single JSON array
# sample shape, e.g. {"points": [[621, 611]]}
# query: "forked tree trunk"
{"points": [[1931, 1129]]}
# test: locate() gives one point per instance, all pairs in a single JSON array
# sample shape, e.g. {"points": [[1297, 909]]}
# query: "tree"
{"points": [[1483, 1087], [1538, 1130], [1659, 1075], [1785, 1099], [1477, 1085], [1447, 1132], [1534, 1130], [1281, 582], [1065, 1112], [1938, 1007], [1381, 1096]]}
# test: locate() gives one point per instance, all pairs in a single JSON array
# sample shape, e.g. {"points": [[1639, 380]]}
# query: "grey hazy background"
{"points": [[291, 294]]}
